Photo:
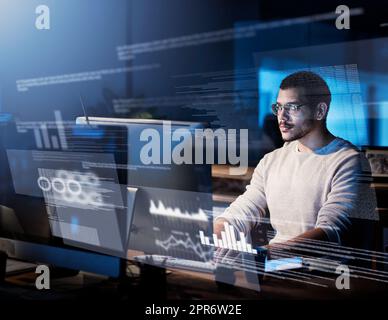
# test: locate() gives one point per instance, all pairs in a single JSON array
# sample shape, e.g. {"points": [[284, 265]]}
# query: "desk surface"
{"points": [[189, 285], [185, 285]]}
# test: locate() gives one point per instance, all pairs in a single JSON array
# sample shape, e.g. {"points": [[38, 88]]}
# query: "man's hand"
{"points": [[218, 226], [223, 256]]}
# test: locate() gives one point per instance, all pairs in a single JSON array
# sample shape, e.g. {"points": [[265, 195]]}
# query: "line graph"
{"points": [[188, 244]]}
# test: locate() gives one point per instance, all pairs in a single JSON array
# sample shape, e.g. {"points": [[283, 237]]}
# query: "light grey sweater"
{"points": [[306, 190]]}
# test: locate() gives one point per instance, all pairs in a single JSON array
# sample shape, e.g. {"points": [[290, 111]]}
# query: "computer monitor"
{"points": [[173, 200], [57, 207], [47, 224]]}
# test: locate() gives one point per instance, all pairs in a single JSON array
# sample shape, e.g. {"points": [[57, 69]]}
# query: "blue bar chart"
{"points": [[228, 240]]}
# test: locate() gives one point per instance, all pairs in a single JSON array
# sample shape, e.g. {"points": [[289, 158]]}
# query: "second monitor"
{"points": [[173, 201]]}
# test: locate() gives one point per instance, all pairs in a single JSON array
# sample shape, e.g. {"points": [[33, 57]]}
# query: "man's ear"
{"points": [[322, 109]]}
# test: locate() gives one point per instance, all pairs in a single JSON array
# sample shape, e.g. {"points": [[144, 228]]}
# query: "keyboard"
{"points": [[178, 263]]}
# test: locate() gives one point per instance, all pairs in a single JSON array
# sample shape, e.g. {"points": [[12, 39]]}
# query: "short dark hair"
{"points": [[315, 88]]}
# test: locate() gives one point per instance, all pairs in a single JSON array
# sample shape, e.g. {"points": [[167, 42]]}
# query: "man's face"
{"points": [[297, 125]]}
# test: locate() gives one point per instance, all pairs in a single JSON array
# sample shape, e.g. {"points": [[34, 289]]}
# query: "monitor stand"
{"points": [[3, 265], [153, 277]]}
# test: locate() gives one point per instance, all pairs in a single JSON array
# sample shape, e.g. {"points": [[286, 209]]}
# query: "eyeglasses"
{"points": [[291, 108]]}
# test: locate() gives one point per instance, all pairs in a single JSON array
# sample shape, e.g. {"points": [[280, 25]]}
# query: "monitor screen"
{"points": [[173, 199], [68, 193]]}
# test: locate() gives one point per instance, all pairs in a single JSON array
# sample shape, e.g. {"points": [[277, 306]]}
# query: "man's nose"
{"points": [[283, 115]]}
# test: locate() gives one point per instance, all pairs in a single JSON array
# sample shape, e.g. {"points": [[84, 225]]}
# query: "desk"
{"points": [[183, 285], [187, 285], [194, 285]]}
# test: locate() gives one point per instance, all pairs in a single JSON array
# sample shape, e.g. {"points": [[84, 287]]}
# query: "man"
{"points": [[312, 188]]}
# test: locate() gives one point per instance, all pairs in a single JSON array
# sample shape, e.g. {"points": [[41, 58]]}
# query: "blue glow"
{"points": [[89, 133], [74, 225], [283, 264], [5, 117]]}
